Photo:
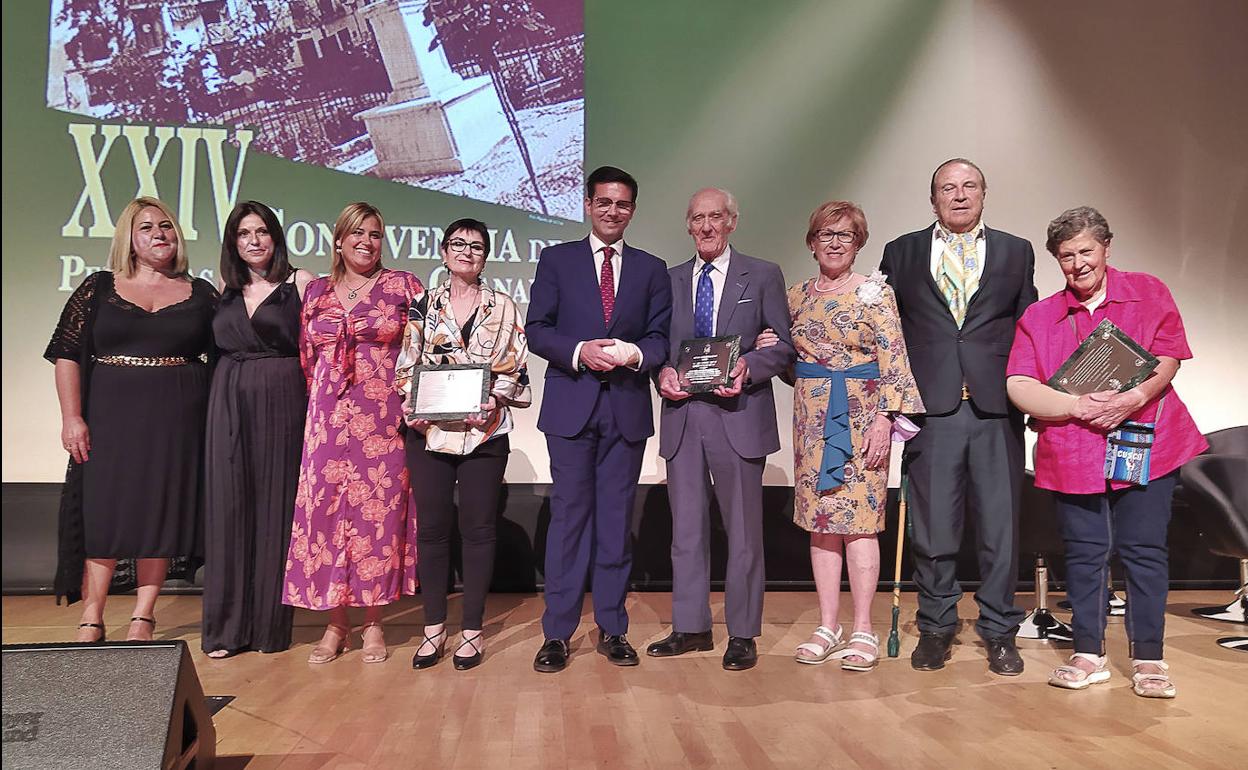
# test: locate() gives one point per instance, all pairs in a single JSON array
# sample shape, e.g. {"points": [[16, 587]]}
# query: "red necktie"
{"points": [[606, 283]]}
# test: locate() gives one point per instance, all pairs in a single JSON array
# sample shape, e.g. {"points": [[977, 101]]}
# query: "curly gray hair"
{"points": [[1074, 221]]}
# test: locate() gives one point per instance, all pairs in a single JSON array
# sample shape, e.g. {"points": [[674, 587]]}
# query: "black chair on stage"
{"points": [[1216, 487]]}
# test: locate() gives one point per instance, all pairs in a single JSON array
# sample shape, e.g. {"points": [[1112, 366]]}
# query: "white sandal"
{"points": [[1167, 690], [870, 658], [819, 652], [1080, 679]]}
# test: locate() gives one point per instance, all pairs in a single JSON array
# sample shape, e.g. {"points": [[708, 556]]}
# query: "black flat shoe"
{"points": [[742, 653], [465, 662], [932, 651], [1003, 657], [438, 641], [678, 643], [552, 658], [617, 649]]}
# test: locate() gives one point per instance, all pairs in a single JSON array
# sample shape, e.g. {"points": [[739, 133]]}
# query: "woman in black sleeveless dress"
{"points": [[255, 433], [132, 380]]}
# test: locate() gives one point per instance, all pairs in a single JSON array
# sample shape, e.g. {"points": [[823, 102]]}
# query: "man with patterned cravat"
{"points": [[960, 287], [720, 441]]}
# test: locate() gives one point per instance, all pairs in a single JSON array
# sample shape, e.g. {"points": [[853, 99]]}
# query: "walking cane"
{"points": [[894, 642]]}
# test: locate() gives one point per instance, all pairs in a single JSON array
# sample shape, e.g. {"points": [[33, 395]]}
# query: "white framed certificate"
{"points": [[448, 391]]}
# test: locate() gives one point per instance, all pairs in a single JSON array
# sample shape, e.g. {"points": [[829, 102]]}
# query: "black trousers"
{"points": [[960, 464], [433, 477]]}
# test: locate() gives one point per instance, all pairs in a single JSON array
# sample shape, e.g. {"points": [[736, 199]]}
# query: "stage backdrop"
{"points": [[439, 110]]}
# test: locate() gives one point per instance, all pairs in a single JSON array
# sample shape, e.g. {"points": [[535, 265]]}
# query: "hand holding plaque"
{"points": [[1107, 360], [447, 391], [706, 363]]}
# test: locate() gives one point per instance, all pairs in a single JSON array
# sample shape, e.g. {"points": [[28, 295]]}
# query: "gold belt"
{"points": [[142, 360]]}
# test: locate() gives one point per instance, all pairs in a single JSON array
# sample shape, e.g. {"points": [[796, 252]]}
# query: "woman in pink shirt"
{"points": [[1097, 516]]}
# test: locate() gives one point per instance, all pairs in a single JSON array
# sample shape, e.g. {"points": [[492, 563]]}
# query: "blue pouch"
{"points": [[1128, 449]]}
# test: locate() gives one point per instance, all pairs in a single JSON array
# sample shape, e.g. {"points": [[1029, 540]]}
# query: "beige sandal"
{"points": [[324, 654], [820, 652], [1071, 677], [870, 658], [1139, 679], [374, 653]]}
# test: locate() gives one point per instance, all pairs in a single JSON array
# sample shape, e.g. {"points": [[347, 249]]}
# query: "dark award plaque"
{"points": [[1107, 360], [704, 363]]}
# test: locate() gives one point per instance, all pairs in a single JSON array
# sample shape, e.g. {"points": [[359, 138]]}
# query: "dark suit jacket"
{"points": [[942, 356], [753, 299], [565, 307]]}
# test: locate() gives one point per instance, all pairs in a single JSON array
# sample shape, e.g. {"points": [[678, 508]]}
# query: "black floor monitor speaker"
{"points": [[109, 705]]}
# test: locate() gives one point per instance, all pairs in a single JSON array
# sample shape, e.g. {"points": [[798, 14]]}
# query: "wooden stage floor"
{"points": [[688, 711]]}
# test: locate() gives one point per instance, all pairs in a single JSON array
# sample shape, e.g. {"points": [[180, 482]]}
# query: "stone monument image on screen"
{"points": [[473, 98]]}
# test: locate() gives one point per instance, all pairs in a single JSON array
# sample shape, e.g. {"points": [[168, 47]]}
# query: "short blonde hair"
{"points": [[831, 211], [351, 217], [121, 252]]}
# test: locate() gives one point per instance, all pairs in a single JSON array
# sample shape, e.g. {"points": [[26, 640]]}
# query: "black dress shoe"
{"points": [[617, 649], [932, 651], [678, 643], [553, 656], [1003, 657], [465, 662], [741, 654]]}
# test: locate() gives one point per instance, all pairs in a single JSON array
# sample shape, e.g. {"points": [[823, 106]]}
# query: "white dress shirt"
{"points": [[981, 252], [621, 350], [719, 276]]}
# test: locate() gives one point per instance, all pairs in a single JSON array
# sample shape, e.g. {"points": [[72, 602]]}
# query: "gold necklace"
{"points": [[352, 293]]}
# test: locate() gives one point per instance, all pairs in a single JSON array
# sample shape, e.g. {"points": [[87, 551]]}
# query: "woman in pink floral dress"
{"points": [[353, 539]]}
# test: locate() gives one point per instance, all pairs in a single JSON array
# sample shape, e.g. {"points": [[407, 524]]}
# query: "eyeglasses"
{"points": [[605, 204], [458, 245], [716, 218], [844, 236]]}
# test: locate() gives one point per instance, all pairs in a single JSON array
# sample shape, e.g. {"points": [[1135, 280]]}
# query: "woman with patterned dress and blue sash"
{"points": [[852, 380]]}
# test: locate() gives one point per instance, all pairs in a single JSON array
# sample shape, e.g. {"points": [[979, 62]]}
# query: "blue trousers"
{"points": [[594, 480], [1132, 522]]}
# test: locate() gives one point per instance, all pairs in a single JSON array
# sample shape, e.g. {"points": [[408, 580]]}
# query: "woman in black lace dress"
{"points": [[255, 433], [132, 379]]}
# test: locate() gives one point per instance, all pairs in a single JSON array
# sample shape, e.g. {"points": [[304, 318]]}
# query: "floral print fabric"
{"points": [[839, 331], [353, 541]]}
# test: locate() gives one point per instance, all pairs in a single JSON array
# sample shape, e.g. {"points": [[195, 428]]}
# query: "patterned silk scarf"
{"points": [[958, 276]]}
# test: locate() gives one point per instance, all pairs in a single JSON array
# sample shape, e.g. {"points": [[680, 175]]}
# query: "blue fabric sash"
{"points": [[838, 446]]}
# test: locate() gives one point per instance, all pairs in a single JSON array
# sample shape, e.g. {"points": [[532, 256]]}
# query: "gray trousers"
{"points": [[703, 463], [966, 464]]}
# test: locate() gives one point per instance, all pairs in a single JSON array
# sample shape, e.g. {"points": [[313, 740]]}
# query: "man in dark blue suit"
{"points": [[599, 313]]}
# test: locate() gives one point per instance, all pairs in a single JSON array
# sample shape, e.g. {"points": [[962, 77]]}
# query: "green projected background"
{"points": [[786, 103]]}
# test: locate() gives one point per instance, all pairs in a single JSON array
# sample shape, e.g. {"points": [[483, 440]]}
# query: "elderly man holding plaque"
{"points": [[463, 363], [1092, 365], [718, 424]]}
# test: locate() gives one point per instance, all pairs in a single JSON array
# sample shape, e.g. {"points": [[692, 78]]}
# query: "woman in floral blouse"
{"points": [[352, 542], [462, 321], [852, 381]]}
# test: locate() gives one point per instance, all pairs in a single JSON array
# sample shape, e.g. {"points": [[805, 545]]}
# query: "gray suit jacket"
{"points": [[753, 299]]}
